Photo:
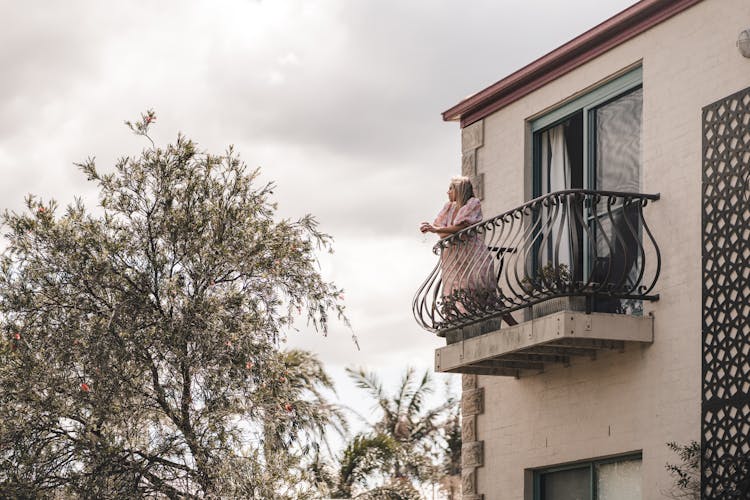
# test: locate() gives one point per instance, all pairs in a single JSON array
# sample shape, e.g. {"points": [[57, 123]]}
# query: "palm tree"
{"points": [[401, 447], [364, 456]]}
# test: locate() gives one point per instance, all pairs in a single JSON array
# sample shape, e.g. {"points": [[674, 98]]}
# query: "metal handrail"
{"points": [[571, 243]]}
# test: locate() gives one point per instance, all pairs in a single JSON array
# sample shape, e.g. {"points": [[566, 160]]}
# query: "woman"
{"points": [[468, 277]]}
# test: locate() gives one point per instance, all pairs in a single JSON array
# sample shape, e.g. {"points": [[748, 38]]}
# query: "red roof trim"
{"points": [[627, 24]]}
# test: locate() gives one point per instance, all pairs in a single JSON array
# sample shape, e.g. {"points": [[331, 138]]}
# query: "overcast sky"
{"points": [[338, 101]]}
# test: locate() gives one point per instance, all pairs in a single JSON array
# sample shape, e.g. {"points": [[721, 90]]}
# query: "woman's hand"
{"points": [[426, 227], [443, 232]]}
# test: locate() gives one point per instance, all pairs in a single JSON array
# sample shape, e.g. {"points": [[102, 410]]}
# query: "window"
{"points": [[594, 142], [613, 479]]}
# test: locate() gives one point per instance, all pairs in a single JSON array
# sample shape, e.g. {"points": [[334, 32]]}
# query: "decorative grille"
{"points": [[725, 468]]}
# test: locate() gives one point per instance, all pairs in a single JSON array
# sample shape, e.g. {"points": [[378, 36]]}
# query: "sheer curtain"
{"points": [[556, 176], [618, 143], [619, 480], [618, 168]]}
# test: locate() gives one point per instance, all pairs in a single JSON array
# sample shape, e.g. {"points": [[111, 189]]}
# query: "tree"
{"points": [[302, 378], [449, 474], [409, 445], [687, 480], [687, 474], [141, 352]]}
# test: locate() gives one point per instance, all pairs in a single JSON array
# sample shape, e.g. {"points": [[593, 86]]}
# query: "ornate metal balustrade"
{"points": [[592, 246]]}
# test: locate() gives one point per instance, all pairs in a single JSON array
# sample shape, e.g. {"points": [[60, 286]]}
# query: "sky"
{"points": [[338, 102]]}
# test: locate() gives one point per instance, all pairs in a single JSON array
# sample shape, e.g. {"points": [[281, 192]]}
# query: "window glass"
{"points": [[571, 484], [598, 480], [596, 146], [619, 480], [561, 169], [618, 143], [617, 258]]}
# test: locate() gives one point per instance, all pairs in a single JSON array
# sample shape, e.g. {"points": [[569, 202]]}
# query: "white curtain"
{"points": [[556, 176]]}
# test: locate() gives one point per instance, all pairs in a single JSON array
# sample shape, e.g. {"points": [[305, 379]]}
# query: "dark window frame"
{"points": [[590, 464], [586, 104]]}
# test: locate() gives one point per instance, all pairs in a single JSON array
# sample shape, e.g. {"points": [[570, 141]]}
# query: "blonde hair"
{"points": [[463, 188]]}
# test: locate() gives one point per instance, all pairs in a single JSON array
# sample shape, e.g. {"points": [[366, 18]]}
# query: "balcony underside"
{"points": [[528, 348]]}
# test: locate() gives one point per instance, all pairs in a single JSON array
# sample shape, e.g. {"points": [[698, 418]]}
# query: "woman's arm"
{"points": [[443, 231], [469, 214]]}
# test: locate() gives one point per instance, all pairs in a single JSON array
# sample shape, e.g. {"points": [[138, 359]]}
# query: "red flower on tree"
{"points": [[288, 407], [17, 336], [85, 387]]}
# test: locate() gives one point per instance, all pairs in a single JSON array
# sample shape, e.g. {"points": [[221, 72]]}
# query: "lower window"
{"points": [[611, 479]]}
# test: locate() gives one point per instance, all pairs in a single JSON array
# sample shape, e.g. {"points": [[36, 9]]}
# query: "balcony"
{"points": [[573, 267]]}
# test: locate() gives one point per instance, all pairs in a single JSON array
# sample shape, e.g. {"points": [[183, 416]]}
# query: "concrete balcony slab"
{"points": [[528, 347]]}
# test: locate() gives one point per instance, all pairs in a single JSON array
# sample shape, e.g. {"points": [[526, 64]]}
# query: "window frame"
{"points": [[586, 103], [589, 464]]}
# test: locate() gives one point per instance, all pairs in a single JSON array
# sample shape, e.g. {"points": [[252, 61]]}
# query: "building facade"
{"points": [[614, 181]]}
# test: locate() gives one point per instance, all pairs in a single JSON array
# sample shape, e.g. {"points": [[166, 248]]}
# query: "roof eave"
{"points": [[623, 26]]}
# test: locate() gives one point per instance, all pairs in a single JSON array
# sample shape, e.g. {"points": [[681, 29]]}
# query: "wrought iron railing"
{"points": [[595, 245]]}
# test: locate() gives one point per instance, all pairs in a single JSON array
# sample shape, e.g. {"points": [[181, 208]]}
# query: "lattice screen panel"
{"points": [[725, 471]]}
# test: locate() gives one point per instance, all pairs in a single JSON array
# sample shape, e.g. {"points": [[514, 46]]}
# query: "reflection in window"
{"points": [[619, 480], [571, 484], [618, 143]]}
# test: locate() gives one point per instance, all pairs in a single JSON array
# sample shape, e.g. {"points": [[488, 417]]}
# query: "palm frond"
{"points": [[404, 389], [372, 384], [417, 396]]}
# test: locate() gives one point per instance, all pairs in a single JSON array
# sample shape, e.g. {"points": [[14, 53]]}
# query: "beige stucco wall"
{"points": [[646, 396]]}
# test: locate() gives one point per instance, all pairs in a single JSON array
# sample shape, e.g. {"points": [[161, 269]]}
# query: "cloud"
{"points": [[339, 101]]}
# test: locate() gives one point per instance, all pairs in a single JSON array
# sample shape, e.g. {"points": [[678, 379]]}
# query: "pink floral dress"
{"points": [[466, 263]]}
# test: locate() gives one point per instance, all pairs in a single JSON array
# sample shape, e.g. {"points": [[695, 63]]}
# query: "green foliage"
{"points": [[363, 456], [409, 445], [550, 277], [140, 352], [452, 433], [686, 474], [397, 490]]}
